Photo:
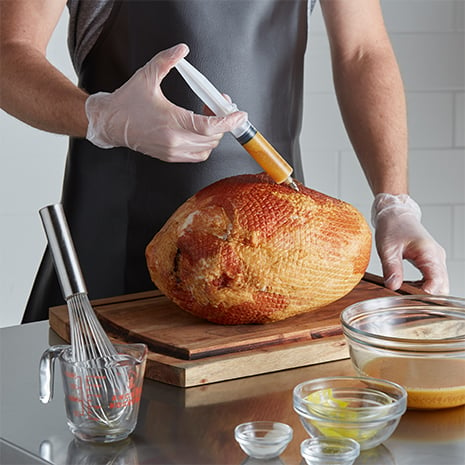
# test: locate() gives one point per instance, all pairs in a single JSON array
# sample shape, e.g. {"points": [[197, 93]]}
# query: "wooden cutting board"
{"points": [[187, 351]]}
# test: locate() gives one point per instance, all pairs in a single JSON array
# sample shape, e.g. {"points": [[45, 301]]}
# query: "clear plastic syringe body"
{"points": [[247, 135]]}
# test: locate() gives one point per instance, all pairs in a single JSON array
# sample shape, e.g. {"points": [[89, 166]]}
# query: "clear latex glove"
{"points": [[139, 116], [400, 235]]}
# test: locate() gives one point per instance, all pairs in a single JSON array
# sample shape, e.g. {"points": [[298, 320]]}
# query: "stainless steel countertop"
{"points": [[193, 425]]}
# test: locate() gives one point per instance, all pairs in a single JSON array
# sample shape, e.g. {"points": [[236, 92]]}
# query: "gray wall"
{"points": [[428, 36]]}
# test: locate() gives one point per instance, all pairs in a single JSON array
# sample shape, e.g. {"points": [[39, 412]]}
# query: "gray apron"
{"points": [[116, 200]]}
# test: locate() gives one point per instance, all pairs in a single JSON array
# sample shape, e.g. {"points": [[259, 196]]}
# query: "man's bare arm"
{"points": [[370, 91], [31, 88]]}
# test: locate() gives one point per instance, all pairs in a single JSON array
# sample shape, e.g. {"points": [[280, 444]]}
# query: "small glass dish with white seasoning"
{"points": [[329, 451], [263, 439]]}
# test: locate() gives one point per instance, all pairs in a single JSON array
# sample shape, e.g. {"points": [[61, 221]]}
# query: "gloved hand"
{"points": [[400, 235], [139, 116]]}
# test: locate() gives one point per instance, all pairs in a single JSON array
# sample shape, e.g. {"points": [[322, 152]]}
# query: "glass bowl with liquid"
{"points": [[366, 410], [415, 341]]}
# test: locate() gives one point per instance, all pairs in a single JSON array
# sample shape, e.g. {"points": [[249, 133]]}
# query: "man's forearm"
{"points": [[34, 91], [371, 97]]}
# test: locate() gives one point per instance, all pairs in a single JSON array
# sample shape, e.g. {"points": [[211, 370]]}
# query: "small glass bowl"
{"points": [[365, 409], [329, 451], [263, 439], [415, 341]]}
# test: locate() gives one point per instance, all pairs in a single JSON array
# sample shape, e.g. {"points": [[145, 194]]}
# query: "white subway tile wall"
{"points": [[458, 225], [428, 37], [459, 133]]}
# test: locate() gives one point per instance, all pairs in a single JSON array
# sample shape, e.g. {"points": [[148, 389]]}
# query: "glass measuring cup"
{"points": [[102, 396]]}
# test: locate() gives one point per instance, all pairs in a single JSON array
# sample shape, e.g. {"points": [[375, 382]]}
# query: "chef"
{"points": [[141, 144]]}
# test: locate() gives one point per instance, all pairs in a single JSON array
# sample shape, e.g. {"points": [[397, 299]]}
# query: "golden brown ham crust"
{"points": [[248, 250]]}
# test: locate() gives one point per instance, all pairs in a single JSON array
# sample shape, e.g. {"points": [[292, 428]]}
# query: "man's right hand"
{"points": [[140, 117]]}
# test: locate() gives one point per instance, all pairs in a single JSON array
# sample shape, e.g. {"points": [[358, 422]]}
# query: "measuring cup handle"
{"points": [[46, 372]]}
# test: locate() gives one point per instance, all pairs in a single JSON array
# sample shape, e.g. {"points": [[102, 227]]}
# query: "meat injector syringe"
{"points": [[246, 134]]}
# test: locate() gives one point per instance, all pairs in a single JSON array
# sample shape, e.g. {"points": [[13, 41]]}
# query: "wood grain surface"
{"points": [[187, 351]]}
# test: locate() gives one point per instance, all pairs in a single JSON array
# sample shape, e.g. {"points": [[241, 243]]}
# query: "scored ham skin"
{"points": [[247, 250]]}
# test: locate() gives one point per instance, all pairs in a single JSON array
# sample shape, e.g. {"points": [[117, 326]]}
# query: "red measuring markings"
{"points": [[90, 394], [75, 392], [128, 398], [93, 385], [124, 400]]}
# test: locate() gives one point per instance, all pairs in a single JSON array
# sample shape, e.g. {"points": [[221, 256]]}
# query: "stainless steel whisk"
{"points": [[91, 347], [88, 339]]}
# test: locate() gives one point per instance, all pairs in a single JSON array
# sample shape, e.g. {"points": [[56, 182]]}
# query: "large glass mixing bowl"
{"points": [[415, 341]]}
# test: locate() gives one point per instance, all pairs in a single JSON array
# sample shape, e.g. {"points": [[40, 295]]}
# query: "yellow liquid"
{"points": [[268, 158], [430, 384]]}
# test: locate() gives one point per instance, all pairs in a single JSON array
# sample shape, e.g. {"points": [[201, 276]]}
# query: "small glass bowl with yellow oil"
{"points": [[364, 409], [415, 341]]}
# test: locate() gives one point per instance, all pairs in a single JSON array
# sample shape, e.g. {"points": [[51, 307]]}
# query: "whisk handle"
{"points": [[62, 247]]}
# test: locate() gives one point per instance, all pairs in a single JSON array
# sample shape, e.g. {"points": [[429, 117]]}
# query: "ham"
{"points": [[247, 250]]}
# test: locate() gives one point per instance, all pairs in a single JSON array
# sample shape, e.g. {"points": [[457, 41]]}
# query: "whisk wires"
{"points": [[88, 339]]}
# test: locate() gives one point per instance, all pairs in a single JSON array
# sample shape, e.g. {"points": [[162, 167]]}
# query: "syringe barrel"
{"points": [[263, 152]]}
